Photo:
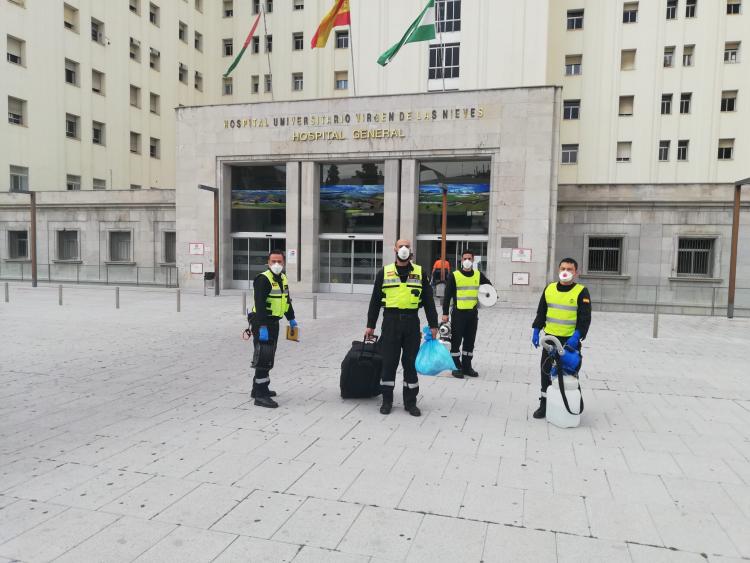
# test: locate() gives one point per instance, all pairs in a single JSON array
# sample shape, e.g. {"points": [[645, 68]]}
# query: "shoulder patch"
{"points": [[586, 300]]}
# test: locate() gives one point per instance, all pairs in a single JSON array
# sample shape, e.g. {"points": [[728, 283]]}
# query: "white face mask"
{"points": [[565, 276], [404, 252], [276, 268], [468, 264]]}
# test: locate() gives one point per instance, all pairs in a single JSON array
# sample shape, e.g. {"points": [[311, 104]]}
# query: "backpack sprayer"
{"points": [[565, 388]]}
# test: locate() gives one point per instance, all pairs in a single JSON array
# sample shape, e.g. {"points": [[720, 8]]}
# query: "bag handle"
{"points": [[561, 384], [371, 340]]}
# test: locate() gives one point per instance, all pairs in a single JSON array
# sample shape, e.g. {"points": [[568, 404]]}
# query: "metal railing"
{"points": [[109, 274]]}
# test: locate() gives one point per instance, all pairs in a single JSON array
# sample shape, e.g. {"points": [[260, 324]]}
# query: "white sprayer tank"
{"points": [[557, 414]]}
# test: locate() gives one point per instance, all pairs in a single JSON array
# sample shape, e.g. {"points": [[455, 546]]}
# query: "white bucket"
{"points": [[557, 414]]}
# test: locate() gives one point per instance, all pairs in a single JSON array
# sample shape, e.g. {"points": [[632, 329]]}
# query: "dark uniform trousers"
{"points": [[262, 378], [400, 338], [463, 331], [546, 364]]}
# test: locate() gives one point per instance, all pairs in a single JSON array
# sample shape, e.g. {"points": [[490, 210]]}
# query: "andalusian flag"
{"points": [[336, 17], [421, 29], [244, 46]]}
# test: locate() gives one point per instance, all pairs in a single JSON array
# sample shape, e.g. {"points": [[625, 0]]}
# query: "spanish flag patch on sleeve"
{"points": [[586, 300]]}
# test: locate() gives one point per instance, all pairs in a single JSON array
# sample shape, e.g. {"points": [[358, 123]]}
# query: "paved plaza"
{"points": [[129, 435]]}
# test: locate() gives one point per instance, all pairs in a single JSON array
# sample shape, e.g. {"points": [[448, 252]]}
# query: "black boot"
{"points": [[541, 412], [266, 402], [457, 373], [386, 407], [413, 409], [270, 394], [466, 367]]}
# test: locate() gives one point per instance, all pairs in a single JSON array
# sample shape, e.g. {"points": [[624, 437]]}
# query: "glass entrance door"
{"points": [[250, 255], [349, 263], [428, 250]]}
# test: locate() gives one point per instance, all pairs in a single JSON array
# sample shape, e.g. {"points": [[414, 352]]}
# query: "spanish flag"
{"points": [[338, 16]]}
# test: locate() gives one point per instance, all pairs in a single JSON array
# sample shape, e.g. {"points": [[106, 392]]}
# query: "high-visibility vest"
{"points": [[467, 290], [398, 295], [277, 302], [562, 310]]}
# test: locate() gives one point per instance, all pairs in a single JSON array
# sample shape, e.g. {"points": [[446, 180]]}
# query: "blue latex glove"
{"points": [[263, 334], [293, 323], [574, 340], [427, 334], [535, 338]]}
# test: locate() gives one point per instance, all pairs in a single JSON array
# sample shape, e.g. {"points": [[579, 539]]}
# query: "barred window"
{"points": [[444, 61], [18, 244], [67, 245], [170, 247], [604, 255], [447, 15], [695, 256], [119, 246]]}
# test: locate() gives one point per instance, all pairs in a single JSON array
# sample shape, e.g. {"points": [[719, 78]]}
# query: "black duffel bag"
{"points": [[361, 370]]}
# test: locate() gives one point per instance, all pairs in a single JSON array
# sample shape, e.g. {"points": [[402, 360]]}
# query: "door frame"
{"points": [[247, 284], [350, 287]]}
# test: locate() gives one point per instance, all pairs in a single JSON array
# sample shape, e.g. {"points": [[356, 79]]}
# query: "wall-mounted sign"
{"points": [[520, 278], [196, 249], [520, 255], [196, 267], [291, 256]]}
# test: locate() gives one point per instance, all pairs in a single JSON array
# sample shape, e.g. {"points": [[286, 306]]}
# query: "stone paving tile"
{"points": [[274, 475], [150, 498], [629, 522], [257, 550], [58, 481], [324, 481], [518, 545], [187, 544], [20, 515], [434, 497], [226, 469], [649, 554], [102, 489], [574, 549], [558, 513], [437, 540], [260, 515], [310, 554], [203, 506], [491, 503], [382, 532], [318, 523], [376, 488], [691, 531]]}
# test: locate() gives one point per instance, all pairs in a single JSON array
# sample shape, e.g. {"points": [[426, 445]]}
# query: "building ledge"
{"points": [[168, 264], [695, 279], [118, 263], [67, 261], [17, 260], [619, 277]]}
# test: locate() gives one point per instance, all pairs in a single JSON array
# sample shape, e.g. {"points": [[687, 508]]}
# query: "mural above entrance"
{"points": [[462, 198]]}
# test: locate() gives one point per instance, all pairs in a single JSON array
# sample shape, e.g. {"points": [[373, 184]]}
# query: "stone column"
{"points": [[292, 220], [309, 226], [409, 200], [224, 183], [391, 203]]}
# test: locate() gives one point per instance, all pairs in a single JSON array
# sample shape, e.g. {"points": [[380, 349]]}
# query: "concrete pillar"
{"points": [[293, 209], [224, 183], [309, 226], [391, 203], [409, 200]]}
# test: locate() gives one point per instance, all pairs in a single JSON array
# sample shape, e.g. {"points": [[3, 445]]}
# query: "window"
{"points": [[97, 31], [18, 244], [671, 9], [99, 184], [299, 4], [297, 81], [227, 47], [690, 7], [170, 247], [119, 246], [97, 81], [666, 104], [444, 61], [135, 6], [623, 151], [627, 59], [729, 100], [255, 84], [154, 103], [298, 42], [685, 99], [73, 183], [604, 255], [198, 41], [575, 19], [687, 55], [342, 39], [226, 86], [16, 48], [731, 52], [153, 14], [626, 105], [71, 72], [733, 7], [571, 109], [16, 111], [668, 57], [447, 15], [569, 154], [269, 6], [726, 149], [97, 133], [199, 5], [682, 149], [135, 50], [67, 245], [154, 59], [70, 18], [630, 12], [71, 125], [341, 80], [182, 73], [135, 96], [135, 142], [267, 83], [198, 80], [664, 151], [269, 43], [19, 179], [255, 47], [228, 9], [694, 256], [573, 65], [135, 186], [182, 32], [154, 147]]}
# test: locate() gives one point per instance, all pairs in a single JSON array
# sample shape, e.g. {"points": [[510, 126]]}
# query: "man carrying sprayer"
{"points": [[401, 289], [271, 302], [565, 312], [463, 289]]}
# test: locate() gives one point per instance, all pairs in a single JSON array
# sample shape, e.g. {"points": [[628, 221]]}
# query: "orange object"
{"points": [[337, 16], [437, 265]]}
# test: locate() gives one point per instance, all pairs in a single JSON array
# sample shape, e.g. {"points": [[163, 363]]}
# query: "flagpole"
{"points": [[351, 50], [265, 40]]}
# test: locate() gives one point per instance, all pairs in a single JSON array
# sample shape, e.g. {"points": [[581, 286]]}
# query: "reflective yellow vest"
{"points": [[467, 290], [397, 295], [277, 302], [562, 310]]}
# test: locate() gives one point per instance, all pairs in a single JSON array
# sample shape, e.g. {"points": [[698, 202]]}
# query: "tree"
{"points": [[332, 177]]}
